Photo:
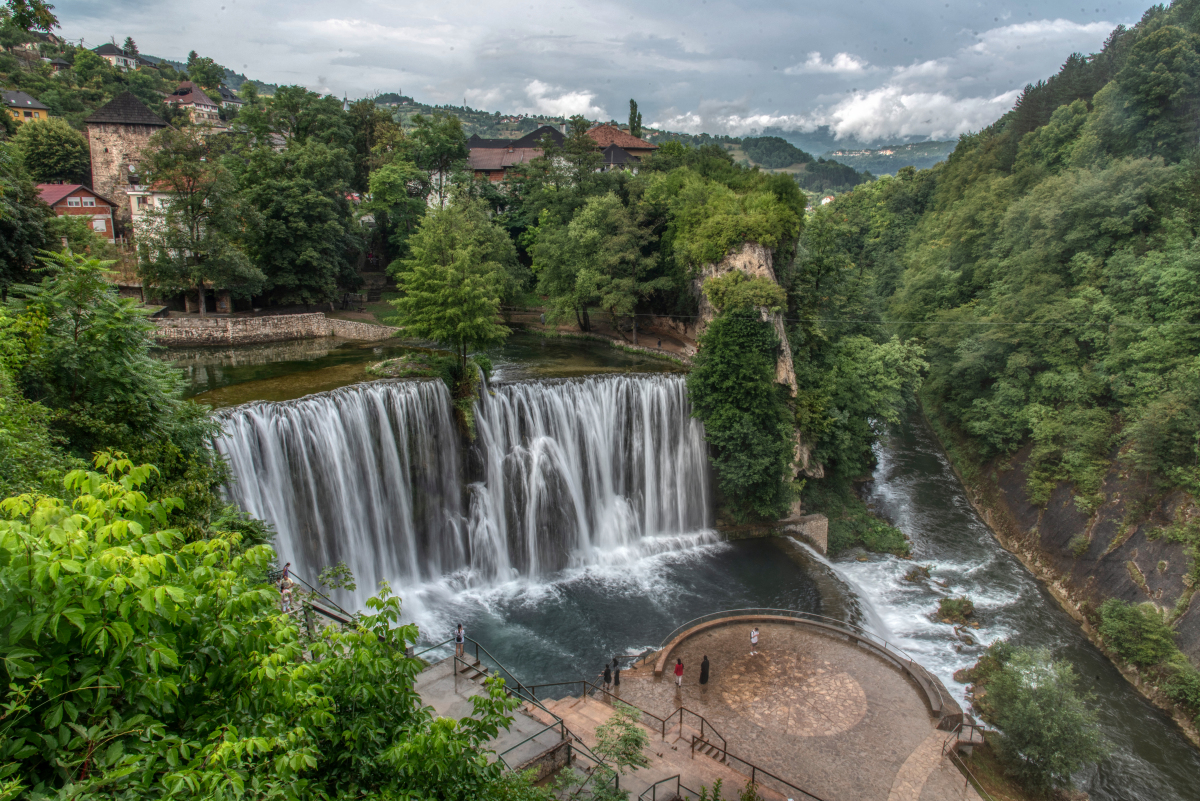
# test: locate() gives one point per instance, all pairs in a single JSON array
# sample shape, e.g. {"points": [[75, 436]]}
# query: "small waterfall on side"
{"points": [[369, 475], [576, 466], [568, 472]]}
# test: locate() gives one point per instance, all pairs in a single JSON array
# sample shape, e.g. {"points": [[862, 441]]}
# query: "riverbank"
{"points": [[1004, 506]]}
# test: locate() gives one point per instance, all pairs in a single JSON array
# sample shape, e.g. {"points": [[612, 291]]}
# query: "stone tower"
{"points": [[117, 132]]}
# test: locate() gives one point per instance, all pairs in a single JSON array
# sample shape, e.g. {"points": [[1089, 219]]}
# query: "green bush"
{"points": [[1183, 684], [138, 665], [851, 523], [1078, 545], [955, 609], [1137, 633], [1048, 731]]}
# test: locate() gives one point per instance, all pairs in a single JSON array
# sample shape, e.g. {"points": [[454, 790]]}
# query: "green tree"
{"points": [[130, 47], [54, 152], [452, 284], [31, 14], [303, 226], [23, 218], [746, 419], [437, 146], [621, 740], [1136, 632], [172, 669], [398, 190], [635, 119], [206, 73], [193, 242], [1048, 730]]}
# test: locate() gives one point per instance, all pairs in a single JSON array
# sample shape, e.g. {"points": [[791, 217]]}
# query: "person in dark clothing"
{"points": [[704, 670], [616, 675], [607, 678]]}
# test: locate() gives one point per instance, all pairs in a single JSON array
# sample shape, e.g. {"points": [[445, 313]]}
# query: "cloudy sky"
{"points": [[872, 71]]}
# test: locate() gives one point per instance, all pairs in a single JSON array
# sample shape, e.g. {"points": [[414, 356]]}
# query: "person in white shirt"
{"points": [[754, 642]]}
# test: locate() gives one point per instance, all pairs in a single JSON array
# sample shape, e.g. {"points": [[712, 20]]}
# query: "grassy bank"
{"points": [[851, 523]]}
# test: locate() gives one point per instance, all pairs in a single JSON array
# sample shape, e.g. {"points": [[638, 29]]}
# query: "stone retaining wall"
{"points": [[182, 332]]}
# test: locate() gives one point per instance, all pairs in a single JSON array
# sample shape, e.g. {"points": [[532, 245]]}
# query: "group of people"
{"points": [[612, 676], [704, 665]]}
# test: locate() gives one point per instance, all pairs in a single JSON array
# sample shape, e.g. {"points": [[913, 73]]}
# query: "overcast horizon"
{"points": [[872, 72]]}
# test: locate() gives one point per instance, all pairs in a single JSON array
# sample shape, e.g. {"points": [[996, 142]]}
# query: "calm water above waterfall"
{"points": [[577, 527]]}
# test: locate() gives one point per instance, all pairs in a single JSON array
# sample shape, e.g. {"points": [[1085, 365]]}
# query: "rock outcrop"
{"points": [[756, 261]]}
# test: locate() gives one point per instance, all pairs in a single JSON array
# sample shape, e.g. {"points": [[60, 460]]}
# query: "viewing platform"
{"points": [[823, 711]]}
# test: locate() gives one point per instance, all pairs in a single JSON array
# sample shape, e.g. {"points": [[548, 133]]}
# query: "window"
{"points": [[100, 226], [142, 201], [37, 115], [73, 201], [89, 201], [28, 113]]}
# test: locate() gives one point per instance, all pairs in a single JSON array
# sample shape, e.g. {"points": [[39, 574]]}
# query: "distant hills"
{"points": [[888, 159]]}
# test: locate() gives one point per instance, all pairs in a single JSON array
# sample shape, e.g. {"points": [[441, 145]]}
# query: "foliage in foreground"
{"points": [[1048, 731], [138, 665]]}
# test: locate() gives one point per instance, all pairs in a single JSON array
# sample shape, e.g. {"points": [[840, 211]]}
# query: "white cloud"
{"points": [[841, 64], [562, 104], [1057, 34], [891, 111]]}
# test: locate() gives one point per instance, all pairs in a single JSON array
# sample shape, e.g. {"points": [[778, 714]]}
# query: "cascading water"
{"points": [[569, 471], [369, 475]]}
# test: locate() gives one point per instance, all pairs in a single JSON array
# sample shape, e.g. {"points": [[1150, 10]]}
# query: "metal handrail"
{"points": [[968, 776], [849, 628], [680, 788], [559, 725], [755, 770]]}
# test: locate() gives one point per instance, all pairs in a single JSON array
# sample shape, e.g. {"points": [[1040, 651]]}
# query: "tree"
{"points": [[635, 119], [103, 602], [31, 14], [452, 284], [54, 152], [373, 130], [438, 147], [1048, 730], [621, 740], [130, 47], [205, 73], [746, 418], [23, 218], [398, 195], [194, 240], [303, 226]]}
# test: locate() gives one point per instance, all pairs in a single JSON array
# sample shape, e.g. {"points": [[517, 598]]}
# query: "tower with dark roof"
{"points": [[118, 132]]}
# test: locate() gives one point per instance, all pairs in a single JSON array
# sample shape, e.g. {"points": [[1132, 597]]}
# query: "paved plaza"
{"points": [[813, 708]]}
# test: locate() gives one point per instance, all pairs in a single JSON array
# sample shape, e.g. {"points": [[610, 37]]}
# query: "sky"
{"points": [[871, 71]]}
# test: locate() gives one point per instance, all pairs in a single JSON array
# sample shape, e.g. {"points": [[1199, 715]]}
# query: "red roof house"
{"points": [[78, 200], [605, 135]]}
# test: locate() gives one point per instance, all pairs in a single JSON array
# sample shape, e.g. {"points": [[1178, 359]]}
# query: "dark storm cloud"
{"points": [[870, 70]]}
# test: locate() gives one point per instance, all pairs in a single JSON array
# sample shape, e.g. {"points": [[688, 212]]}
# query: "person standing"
{"points": [[704, 670], [460, 641], [678, 672], [285, 594], [616, 675], [287, 570], [607, 678], [754, 642]]}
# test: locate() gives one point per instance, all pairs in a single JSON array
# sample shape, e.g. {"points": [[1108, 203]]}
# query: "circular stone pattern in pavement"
{"points": [[799, 695]]}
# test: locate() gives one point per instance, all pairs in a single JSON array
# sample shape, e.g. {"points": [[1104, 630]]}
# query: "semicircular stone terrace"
{"points": [[818, 705]]}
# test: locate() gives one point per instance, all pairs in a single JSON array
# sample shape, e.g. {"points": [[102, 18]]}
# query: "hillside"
{"points": [[887, 160], [1050, 268]]}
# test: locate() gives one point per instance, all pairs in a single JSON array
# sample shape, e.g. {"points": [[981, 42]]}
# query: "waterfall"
{"points": [[561, 473], [369, 475]]}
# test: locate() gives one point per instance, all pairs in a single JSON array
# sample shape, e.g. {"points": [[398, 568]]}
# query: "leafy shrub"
{"points": [[736, 290], [1078, 545], [1137, 633], [1183, 684], [1048, 730], [956, 609], [851, 523]]}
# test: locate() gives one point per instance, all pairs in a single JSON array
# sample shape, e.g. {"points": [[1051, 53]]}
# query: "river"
{"points": [[639, 562]]}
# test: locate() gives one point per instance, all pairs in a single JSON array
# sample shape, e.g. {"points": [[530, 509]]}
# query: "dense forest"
{"points": [[1050, 270]]}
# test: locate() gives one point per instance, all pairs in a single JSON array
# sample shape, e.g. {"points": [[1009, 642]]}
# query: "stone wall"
{"points": [[114, 147], [191, 331]]}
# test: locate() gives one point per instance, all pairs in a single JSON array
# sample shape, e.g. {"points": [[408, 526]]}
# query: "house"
{"points": [[58, 64], [533, 139], [228, 98], [143, 198], [605, 135], [494, 163], [76, 200], [23, 107], [200, 107], [118, 57], [117, 133], [617, 158]]}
